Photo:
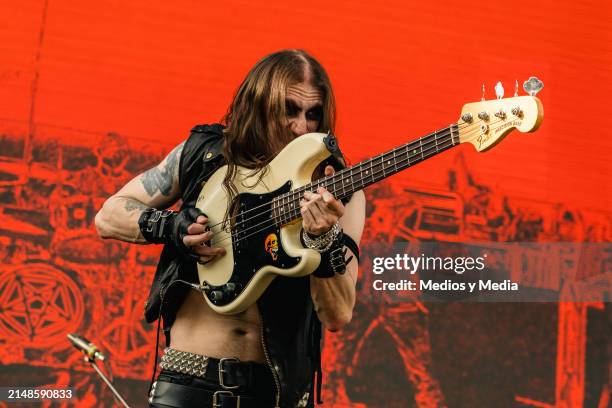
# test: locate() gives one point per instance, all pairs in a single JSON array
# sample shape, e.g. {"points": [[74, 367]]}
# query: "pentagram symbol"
{"points": [[39, 304], [128, 338]]}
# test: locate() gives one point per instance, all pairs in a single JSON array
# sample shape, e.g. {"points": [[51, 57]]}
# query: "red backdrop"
{"points": [[80, 82]]}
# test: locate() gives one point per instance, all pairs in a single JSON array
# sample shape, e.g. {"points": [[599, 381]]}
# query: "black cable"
{"points": [[159, 317]]}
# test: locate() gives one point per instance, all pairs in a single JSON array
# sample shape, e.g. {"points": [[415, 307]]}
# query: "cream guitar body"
{"points": [[259, 248]]}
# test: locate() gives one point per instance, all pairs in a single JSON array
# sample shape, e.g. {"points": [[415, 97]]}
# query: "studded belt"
{"points": [[184, 362], [229, 373]]}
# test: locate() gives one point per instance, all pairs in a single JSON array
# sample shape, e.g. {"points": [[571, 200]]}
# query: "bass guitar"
{"points": [[263, 239]]}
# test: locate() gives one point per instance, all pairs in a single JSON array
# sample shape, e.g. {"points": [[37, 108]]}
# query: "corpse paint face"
{"points": [[304, 107]]}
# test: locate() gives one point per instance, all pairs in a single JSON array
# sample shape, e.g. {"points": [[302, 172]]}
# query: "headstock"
{"points": [[486, 123]]}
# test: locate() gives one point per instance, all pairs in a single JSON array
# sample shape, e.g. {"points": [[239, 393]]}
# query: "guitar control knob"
{"points": [[516, 87], [216, 295], [483, 115], [230, 287], [467, 117]]}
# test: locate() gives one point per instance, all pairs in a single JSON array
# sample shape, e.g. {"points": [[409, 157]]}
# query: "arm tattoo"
{"points": [[131, 205], [155, 180]]}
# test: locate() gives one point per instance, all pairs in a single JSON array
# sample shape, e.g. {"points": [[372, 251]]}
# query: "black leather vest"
{"points": [[291, 330]]}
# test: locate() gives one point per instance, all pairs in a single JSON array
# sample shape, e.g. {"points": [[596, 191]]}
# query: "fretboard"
{"points": [[343, 183]]}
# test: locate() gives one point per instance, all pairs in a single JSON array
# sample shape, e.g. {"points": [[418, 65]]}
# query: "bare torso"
{"points": [[199, 329]]}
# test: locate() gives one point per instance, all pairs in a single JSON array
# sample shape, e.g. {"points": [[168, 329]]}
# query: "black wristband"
{"points": [[156, 225], [168, 227], [332, 260]]}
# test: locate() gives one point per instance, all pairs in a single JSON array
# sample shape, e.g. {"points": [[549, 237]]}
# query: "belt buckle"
{"points": [[215, 402], [221, 371]]}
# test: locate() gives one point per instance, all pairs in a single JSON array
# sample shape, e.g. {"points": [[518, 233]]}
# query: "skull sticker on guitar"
{"points": [[271, 246]]}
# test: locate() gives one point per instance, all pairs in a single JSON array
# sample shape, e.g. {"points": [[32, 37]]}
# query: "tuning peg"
{"points": [[483, 92], [499, 90], [533, 85], [516, 87]]}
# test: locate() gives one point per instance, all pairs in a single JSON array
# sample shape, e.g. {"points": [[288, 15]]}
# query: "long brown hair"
{"points": [[257, 128]]}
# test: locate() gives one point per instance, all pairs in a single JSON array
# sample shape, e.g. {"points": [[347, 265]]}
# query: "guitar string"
{"points": [[347, 173], [418, 142], [428, 154], [341, 175], [265, 224], [298, 192]]}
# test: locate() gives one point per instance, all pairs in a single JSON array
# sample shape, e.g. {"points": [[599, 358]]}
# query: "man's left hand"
{"points": [[320, 210]]}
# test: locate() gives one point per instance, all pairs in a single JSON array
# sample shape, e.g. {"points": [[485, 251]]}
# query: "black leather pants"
{"points": [[173, 389]]}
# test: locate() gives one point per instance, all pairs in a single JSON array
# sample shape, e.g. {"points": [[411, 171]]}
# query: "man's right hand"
{"points": [[197, 238], [187, 230]]}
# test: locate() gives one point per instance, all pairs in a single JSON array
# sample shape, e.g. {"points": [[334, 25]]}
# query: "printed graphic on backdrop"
{"points": [[63, 278], [91, 96]]}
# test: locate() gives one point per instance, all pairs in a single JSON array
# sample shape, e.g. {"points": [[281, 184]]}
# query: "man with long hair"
{"points": [[268, 355]]}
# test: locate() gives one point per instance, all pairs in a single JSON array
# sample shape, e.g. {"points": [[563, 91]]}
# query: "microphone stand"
{"points": [[110, 385]]}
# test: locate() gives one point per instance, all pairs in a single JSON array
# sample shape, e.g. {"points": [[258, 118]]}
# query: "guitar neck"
{"points": [[345, 182]]}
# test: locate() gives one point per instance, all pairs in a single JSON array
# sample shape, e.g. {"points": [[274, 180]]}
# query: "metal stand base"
{"points": [[110, 385]]}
